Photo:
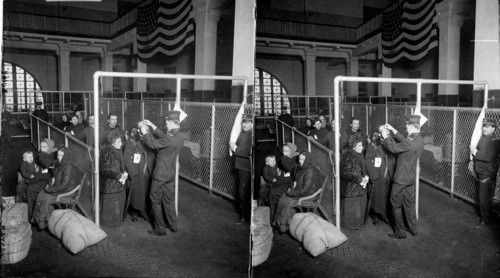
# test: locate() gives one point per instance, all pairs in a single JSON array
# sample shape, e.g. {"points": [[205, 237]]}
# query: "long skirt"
{"points": [[380, 196], [284, 212], [139, 194], [274, 198], [352, 211], [43, 209], [112, 208]]}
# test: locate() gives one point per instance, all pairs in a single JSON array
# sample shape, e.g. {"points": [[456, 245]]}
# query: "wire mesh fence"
{"points": [[322, 158], [82, 154]]}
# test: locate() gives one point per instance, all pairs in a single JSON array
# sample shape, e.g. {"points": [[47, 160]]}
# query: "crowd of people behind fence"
{"points": [[136, 167], [377, 174]]}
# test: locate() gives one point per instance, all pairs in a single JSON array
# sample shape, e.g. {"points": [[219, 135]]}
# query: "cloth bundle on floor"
{"points": [[14, 214], [75, 231], [315, 233], [16, 241], [262, 236]]}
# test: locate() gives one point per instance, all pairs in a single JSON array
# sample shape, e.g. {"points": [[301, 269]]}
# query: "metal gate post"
{"points": [[453, 149], [212, 145]]}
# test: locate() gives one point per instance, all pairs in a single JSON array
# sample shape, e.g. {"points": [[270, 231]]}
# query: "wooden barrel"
{"points": [[16, 243]]}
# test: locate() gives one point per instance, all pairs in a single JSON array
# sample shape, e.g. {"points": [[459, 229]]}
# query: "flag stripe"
{"points": [[164, 27], [409, 31], [162, 31]]}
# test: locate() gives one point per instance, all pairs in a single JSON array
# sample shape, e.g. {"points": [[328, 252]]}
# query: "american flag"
{"points": [[409, 31], [164, 26]]}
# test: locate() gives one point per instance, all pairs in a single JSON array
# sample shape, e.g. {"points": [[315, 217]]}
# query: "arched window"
{"points": [[270, 94], [21, 90]]}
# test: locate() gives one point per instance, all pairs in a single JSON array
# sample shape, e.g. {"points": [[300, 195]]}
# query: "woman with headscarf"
{"points": [[112, 183], [139, 160], [380, 165], [306, 183], [63, 123], [353, 181], [48, 154], [308, 127], [65, 179]]}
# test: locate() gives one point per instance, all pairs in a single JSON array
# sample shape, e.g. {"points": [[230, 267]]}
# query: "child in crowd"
{"points": [[33, 180], [277, 183], [29, 169]]}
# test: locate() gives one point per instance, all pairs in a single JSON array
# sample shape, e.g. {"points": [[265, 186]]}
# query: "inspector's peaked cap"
{"points": [[173, 115]]}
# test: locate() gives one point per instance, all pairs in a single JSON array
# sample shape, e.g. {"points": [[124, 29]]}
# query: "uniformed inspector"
{"points": [[403, 187], [163, 184], [242, 163], [486, 166]]}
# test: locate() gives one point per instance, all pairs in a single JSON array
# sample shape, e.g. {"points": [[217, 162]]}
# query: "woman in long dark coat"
{"points": [[306, 183], [139, 160], [353, 180], [65, 179], [112, 183], [380, 165]]}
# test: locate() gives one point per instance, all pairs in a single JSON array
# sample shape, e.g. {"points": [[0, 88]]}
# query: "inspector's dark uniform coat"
{"points": [[403, 188], [163, 185], [243, 164], [486, 166]]}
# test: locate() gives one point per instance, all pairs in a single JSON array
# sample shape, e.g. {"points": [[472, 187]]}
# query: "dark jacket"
{"points": [[168, 145], [111, 166], [75, 129], [270, 173], [287, 119], [65, 176], [104, 131], [42, 114], [86, 136], [243, 151], [387, 162], [145, 164], [409, 150], [318, 134], [346, 133], [351, 174], [307, 179], [28, 169], [486, 158], [47, 160], [328, 140]]}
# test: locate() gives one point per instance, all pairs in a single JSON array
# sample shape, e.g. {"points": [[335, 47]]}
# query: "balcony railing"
{"points": [[55, 25]]}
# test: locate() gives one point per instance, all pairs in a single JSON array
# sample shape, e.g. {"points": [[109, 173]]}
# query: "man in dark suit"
{"points": [[403, 187], [112, 125], [163, 185], [285, 117], [40, 112], [346, 133], [486, 166], [242, 150]]}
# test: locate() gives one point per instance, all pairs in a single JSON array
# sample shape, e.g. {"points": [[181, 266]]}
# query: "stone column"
{"points": [[449, 50], [310, 72], [385, 89], [352, 70], [206, 46], [107, 65], [487, 50], [244, 46], [64, 71]]}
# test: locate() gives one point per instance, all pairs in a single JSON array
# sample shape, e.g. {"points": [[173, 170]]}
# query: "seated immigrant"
{"points": [[65, 179], [47, 156], [306, 183], [277, 183], [308, 127], [318, 132], [75, 127], [353, 181], [112, 183], [34, 180]]}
